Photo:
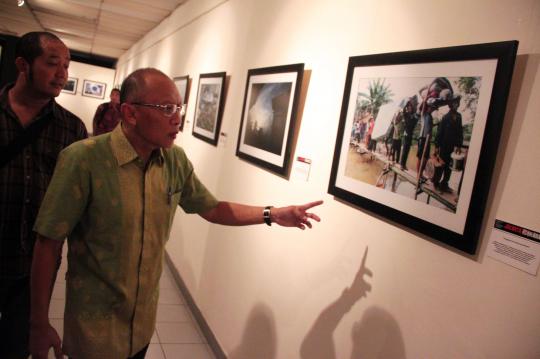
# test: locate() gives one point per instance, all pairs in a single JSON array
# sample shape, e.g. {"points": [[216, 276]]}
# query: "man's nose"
{"points": [[61, 72], [176, 119]]}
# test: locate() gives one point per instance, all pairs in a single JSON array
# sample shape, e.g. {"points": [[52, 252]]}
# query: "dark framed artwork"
{"points": [[94, 89], [418, 137], [269, 116], [209, 107], [183, 84], [71, 85]]}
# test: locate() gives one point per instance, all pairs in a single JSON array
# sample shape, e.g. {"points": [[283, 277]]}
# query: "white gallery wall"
{"points": [[85, 106], [278, 293]]}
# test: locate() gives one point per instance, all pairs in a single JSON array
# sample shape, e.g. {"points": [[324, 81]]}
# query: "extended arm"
{"points": [[44, 266], [235, 214]]}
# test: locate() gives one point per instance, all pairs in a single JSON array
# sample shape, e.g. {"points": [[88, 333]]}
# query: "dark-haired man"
{"points": [[33, 131], [114, 197], [449, 139], [107, 115]]}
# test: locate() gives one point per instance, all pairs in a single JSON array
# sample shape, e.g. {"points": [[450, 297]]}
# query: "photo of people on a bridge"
{"points": [[411, 135]]}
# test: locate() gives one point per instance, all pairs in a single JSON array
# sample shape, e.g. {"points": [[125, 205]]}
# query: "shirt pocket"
{"points": [[169, 209]]}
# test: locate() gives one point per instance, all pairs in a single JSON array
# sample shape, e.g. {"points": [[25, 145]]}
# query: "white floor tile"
{"points": [[170, 296], [166, 272], [154, 352], [58, 324], [178, 333], [167, 282], [172, 313], [59, 291], [56, 309], [154, 339], [187, 351]]}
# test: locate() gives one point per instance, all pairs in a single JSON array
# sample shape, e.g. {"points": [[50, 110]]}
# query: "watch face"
{"points": [[266, 215]]}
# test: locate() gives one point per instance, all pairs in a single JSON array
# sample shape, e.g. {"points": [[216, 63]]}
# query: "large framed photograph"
{"points": [[209, 107], [94, 89], [269, 116], [71, 85], [183, 84], [418, 137]]}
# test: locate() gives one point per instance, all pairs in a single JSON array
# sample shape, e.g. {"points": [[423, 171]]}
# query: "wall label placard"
{"points": [[516, 246], [301, 169]]}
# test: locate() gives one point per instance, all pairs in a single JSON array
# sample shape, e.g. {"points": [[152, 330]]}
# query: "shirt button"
{"points": [[27, 200], [28, 177]]}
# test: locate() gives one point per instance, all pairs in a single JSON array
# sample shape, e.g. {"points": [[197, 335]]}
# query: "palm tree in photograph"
{"points": [[378, 94]]}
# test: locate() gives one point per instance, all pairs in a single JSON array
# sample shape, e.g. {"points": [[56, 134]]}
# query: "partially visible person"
{"points": [[33, 131], [370, 143], [388, 136], [107, 115], [410, 119], [449, 139], [397, 124], [114, 197], [425, 137]]}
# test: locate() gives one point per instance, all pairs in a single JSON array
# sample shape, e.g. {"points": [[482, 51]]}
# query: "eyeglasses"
{"points": [[168, 110]]}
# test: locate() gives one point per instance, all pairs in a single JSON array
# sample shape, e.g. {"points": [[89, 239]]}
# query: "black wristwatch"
{"points": [[266, 215]]}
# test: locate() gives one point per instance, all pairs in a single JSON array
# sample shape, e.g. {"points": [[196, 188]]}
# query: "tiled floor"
{"points": [[177, 335]]}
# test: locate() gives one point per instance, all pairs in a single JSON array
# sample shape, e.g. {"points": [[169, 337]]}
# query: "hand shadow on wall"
{"points": [[319, 342], [259, 339]]}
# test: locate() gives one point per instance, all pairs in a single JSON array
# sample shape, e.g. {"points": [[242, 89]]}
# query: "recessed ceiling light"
{"points": [[20, 3]]}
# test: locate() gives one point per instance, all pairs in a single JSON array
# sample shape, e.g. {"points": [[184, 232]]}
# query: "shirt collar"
{"points": [[124, 151], [50, 106]]}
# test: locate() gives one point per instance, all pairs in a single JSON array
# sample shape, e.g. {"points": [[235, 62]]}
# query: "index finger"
{"points": [[311, 205]]}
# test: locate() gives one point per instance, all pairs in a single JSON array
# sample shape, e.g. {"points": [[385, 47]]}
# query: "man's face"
{"points": [[48, 73], [155, 128], [409, 108], [115, 97]]}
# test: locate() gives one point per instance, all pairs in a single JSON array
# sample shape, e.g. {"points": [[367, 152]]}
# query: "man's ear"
{"points": [[22, 65], [128, 113]]}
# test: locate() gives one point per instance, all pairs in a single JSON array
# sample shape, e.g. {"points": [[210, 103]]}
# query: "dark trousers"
{"points": [[405, 151], [396, 149], [445, 171], [15, 318]]}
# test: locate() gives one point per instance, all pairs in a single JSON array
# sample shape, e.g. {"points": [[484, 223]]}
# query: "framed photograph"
{"points": [[94, 89], [209, 107], [71, 85], [418, 137], [269, 116], [183, 84]]}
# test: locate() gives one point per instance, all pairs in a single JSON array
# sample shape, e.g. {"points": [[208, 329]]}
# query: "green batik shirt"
{"points": [[117, 216]]}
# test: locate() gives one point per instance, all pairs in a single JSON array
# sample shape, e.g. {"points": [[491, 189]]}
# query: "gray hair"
{"points": [[135, 82]]}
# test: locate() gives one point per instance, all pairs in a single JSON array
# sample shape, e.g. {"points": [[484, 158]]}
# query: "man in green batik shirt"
{"points": [[114, 197]]}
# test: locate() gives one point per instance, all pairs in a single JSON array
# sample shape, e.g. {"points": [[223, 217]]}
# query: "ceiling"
{"points": [[105, 28]]}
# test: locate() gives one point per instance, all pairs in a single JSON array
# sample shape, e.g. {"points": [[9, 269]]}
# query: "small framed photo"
{"points": [[71, 85], [183, 85], [209, 107], [94, 89], [418, 137], [269, 116]]}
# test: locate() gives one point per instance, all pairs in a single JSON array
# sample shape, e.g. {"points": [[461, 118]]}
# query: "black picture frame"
{"points": [[94, 89], [209, 107], [183, 84], [70, 86], [269, 116], [475, 77]]}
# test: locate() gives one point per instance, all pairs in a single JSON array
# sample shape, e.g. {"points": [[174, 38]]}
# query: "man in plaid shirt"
{"points": [[42, 61]]}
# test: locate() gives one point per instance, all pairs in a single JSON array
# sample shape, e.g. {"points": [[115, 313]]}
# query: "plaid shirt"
{"points": [[24, 180]]}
